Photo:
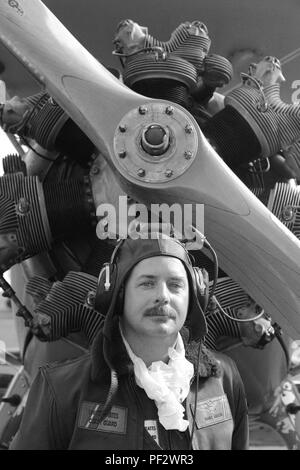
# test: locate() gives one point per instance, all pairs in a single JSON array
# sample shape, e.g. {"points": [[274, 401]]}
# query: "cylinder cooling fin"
{"points": [[23, 214], [150, 66], [284, 202], [65, 306], [34, 215]]}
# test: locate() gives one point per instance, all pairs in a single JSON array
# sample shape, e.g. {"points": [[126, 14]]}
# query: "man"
{"points": [[137, 387]]}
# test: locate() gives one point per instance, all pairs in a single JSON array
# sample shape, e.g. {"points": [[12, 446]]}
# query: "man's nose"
{"points": [[162, 293]]}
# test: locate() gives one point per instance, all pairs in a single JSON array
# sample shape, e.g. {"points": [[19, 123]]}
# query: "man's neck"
{"points": [[150, 349]]}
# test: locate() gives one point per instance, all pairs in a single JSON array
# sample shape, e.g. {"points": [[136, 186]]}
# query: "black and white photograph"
{"points": [[149, 227]]}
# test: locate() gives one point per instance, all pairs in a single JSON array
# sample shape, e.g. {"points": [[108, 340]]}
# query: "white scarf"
{"points": [[167, 384]]}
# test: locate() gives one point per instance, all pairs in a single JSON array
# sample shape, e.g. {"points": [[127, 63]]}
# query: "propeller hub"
{"points": [[155, 147], [155, 139]]}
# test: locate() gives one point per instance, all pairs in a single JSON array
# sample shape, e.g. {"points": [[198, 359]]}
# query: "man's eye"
{"points": [[147, 283], [176, 285]]}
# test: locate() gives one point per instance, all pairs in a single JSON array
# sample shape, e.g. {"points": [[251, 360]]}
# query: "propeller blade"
{"points": [[79, 83], [254, 248]]}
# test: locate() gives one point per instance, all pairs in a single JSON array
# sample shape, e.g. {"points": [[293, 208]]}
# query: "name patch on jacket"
{"points": [[212, 411], [115, 421], [152, 428]]}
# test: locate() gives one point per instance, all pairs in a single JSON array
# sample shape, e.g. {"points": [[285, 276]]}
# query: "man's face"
{"points": [[156, 298]]}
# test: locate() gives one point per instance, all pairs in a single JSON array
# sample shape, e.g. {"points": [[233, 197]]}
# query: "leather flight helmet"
{"points": [[128, 254]]}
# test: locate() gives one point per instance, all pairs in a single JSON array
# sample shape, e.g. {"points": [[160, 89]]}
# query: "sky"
{"points": [[6, 147], [7, 325]]}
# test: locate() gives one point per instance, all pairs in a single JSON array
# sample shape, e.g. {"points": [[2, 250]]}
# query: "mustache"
{"points": [[160, 311]]}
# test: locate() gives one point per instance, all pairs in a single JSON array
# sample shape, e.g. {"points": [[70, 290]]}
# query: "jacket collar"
{"points": [[110, 354]]}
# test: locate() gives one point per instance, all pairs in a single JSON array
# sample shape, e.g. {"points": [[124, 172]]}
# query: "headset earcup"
{"points": [[105, 292], [202, 286]]}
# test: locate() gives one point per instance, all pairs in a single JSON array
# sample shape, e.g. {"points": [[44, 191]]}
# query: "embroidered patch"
{"points": [[152, 428], [213, 411], [115, 421]]}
